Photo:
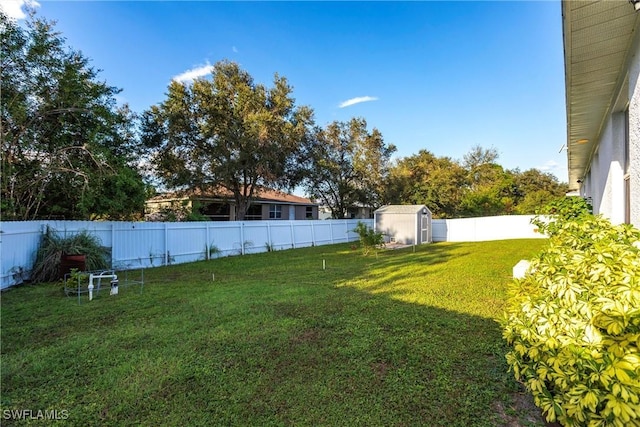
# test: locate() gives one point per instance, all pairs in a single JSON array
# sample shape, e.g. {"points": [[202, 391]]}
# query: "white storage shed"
{"points": [[404, 224]]}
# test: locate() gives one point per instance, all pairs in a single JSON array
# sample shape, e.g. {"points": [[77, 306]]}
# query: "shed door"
{"points": [[292, 212], [424, 228]]}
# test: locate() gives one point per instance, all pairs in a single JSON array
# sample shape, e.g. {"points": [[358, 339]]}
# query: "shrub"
{"points": [[369, 238], [560, 211], [573, 323], [52, 246]]}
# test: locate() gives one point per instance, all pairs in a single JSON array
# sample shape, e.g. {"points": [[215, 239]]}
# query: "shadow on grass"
{"points": [[270, 339]]}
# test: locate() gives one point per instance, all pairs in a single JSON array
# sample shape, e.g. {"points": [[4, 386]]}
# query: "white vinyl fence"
{"points": [[137, 245], [480, 229]]}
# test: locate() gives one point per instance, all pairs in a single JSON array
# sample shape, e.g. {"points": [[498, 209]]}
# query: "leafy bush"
{"points": [[573, 322], [52, 246], [560, 211], [369, 238]]}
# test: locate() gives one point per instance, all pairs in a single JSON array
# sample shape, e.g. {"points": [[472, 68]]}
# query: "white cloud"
{"points": [[14, 8], [357, 100], [194, 73], [550, 165]]}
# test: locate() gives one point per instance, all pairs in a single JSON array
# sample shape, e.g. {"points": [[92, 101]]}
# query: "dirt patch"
{"points": [[522, 413], [307, 336], [380, 370]]}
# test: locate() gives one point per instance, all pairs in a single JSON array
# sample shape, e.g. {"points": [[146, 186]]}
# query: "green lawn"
{"points": [[403, 338]]}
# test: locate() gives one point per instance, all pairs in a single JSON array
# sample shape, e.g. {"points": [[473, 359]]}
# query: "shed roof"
{"points": [[402, 209]]}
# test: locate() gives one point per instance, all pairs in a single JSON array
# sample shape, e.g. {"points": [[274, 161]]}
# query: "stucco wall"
{"points": [[634, 133], [607, 174], [605, 180]]}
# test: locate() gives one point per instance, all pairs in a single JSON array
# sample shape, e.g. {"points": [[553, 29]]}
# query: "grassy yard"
{"points": [[400, 339]]}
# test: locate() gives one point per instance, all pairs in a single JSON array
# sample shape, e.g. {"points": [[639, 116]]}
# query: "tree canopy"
{"points": [[67, 148], [437, 182], [69, 151], [477, 186], [347, 166], [228, 132]]}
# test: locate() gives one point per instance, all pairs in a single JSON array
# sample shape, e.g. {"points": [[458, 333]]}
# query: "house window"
{"points": [[275, 211], [309, 212], [254, 213], [217, 211]]}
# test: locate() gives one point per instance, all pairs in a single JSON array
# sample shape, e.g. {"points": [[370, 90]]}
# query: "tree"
{"points": [[536, 189], [491, 189], [346, 166], [479, 156], [67, 149], [437, 182], [227, 132]]}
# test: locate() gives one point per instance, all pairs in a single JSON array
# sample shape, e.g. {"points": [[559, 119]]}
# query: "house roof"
{"points": [[598, 37], [262, 195], [402, 209]]}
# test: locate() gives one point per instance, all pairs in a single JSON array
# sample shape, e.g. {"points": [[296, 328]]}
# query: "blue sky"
{"points": [[434, 75]]}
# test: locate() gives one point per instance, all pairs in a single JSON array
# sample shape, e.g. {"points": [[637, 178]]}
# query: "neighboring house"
{"points": [[354, 212], [602, 64], [220, 206]]}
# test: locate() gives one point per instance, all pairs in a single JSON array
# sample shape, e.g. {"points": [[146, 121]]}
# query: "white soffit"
{"points": [[597, 42]]}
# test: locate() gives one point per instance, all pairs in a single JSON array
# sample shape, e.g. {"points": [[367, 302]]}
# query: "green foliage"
{"points": [[179, 211], [370, 240], [195, 213], [227, 132], [213, 251], [478, 186], [347, 166], [532, 201], [67, 148], [560, 213], [424, 179], [77, 281], [573, 322], [53, 246]]}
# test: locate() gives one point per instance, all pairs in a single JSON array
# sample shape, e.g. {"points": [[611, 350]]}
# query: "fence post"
{"points": [[269, 234], [293, 235], [113, 243], [166, 243], [206, 249], [313, 235], [331, 231], [242, 238]]}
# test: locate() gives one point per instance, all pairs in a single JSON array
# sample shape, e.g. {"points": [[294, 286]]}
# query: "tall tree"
{"points": [[478, 156], [347, 166], [227, 132], [490, 190], [372, 164], [437, 182], [536, 189], [66, 147]]}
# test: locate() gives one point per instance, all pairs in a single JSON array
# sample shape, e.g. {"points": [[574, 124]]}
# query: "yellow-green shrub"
{"points": [[573, 324]]}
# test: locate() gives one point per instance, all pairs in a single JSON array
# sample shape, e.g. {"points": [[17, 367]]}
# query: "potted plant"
{"points": [[57, 255]]}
